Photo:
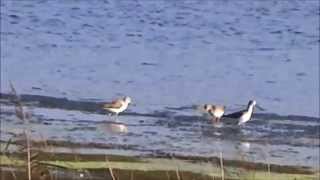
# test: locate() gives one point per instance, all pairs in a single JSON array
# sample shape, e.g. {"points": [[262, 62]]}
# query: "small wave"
{"points": [[95, 105]]}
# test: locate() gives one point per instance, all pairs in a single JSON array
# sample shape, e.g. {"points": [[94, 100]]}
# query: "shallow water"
{"points": [[168, 56], [268, 138]]}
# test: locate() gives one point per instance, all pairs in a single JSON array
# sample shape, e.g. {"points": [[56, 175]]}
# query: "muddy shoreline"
{"points": [[72, 157], [108, 166], [288, 141]]}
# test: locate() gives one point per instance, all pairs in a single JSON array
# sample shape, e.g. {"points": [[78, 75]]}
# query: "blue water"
{"points": [[166, 53]]}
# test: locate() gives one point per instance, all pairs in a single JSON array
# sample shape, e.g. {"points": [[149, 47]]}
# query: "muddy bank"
{"points": [[51, 158]]}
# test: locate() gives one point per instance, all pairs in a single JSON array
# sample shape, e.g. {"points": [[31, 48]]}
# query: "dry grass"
{"points": [[110, 169], [221, 166], [177, 168], [23, 116], [33, 167]]}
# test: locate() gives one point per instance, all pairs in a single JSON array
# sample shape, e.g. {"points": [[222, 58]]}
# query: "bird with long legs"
{"points": [[117, 106], [215, 111], [245, 115]]}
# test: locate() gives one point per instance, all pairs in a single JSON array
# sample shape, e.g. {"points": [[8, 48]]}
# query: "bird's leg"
{"points": [[109, 116], [116, 116]]}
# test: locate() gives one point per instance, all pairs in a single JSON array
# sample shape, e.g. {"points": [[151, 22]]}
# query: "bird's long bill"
{"points": [[200, 108], [259, 107]]}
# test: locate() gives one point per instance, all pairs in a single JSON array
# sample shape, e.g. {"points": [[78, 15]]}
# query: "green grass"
{"points": [[162, 166]]}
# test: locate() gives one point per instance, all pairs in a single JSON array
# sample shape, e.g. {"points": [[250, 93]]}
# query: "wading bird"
{"points": [[244, 115], [215, 111], [117, 106]]}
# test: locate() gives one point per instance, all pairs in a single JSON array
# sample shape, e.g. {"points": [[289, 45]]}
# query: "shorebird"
{"points": [[117, 106], [215, 111], [244, 115]]}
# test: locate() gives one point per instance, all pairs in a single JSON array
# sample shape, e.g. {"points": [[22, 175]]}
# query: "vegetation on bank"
{"points": [[149, 167]]}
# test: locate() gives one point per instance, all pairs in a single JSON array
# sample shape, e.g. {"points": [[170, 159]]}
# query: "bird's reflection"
{"points": [[216, 124], [244, 146], [113, 128]]}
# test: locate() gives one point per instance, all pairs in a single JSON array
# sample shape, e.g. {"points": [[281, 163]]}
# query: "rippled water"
{"points": [[169, 56], [166, 53]]}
